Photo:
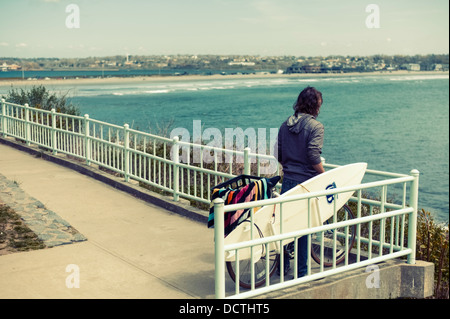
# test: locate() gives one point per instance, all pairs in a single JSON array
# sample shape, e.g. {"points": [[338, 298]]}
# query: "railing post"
{"points": [[53, 132], [412, 228], [4, 130], [126, 157], [87, 145], [247, 166], [219, 248], [27, 124], [176, 168]]}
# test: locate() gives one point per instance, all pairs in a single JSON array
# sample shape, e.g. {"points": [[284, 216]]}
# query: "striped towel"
{"points": [[256, 190]]}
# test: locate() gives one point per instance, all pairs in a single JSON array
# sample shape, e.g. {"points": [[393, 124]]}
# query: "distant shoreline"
{"points": [[170, 78]]}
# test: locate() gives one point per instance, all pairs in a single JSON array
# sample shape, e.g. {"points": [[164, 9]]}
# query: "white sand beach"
{"points": [[19, 83]]}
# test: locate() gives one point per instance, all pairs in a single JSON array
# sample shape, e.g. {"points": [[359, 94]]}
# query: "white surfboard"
{"points": [[295, 213]]}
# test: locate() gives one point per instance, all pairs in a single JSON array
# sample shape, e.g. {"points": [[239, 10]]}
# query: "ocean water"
{"points": [[394, 123]]}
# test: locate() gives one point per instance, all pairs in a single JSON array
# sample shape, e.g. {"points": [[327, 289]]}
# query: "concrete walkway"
{"points": [[118, 246], [133, 249]]}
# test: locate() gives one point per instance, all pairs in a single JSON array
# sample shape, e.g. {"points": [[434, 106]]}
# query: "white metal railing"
{"points": [[163, 163], [169, 165], [394, 234]]}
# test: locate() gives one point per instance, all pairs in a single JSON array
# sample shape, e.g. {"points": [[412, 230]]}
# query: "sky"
{"points": [[84, 28]]}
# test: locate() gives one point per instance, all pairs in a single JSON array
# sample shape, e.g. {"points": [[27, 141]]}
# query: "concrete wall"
{"points": [[388, 280]]}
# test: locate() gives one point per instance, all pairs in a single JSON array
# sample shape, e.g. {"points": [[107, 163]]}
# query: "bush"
{"points": [[39, 97], [432, 246], [432, 243]]}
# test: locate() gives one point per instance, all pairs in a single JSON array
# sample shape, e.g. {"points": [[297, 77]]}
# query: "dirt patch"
{"points": [[15, 236]]}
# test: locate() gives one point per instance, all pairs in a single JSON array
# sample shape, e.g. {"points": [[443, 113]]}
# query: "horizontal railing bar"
{"points": [[371, 171], [68, 116], [211, 148], [189, 196], [148, 182], [106, 124], [373, 202], [318, 229], [15, 135], [63, 131], [326, 273], [16, 105], [149, 135], [15, 119], [150, 156], [101, 141], [204, 170], [377, 243], [278, 200], [71, 154], [386, 174]]}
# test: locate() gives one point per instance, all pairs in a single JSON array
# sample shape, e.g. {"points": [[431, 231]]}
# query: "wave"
{"points": [[155, 91], [419, 77], [202, 86], [222, 87], [308, 80]]}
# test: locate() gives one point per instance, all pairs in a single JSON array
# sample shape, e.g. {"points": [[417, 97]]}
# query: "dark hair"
{"points": [[308, 101]]}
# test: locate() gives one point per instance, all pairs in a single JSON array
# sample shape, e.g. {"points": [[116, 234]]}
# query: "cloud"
{"points": [[21, 45], [271, 10], [76, 46], [4, 44]]}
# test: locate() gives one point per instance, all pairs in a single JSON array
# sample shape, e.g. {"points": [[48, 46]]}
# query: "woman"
{"points": [[299, 146]]}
